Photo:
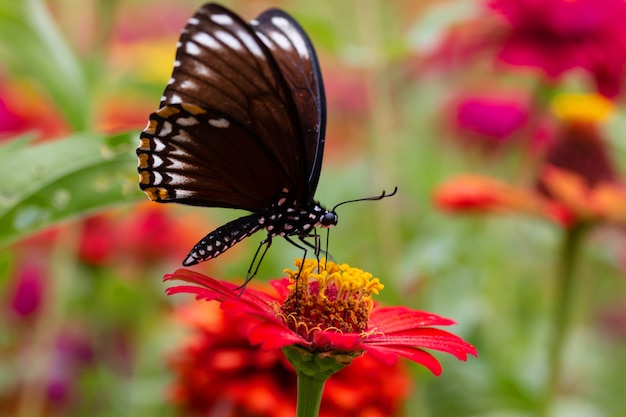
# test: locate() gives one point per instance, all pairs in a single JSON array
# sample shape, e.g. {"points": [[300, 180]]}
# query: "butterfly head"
{"points": [[328, 219]]}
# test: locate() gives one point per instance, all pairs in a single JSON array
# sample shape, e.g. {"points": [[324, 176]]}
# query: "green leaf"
{"points": [[34, 47], [51, 182]]}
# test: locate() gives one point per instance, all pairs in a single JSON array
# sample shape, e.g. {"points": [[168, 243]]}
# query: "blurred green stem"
{"points": [[563, 297], [383, 123]]}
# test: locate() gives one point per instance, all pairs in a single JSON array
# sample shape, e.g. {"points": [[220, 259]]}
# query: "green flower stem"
{"points": [[313, 369], [564, 295], [310, 391]]}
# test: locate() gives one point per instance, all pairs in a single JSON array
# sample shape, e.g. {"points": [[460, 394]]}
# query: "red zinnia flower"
{"points": [[218, 369], [331, 313]]}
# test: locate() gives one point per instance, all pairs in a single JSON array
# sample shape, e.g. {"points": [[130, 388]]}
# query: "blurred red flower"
{"points": [[24, 111], [218, 369], [142, 236]]}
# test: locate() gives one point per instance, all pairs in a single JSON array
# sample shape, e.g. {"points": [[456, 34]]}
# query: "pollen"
{"points": [[328, 296]]}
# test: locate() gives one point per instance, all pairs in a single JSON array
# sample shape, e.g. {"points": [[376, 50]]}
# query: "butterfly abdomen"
{"points": [[281, 220], [224, 238]]}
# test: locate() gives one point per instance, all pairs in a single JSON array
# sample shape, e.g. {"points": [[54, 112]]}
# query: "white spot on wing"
{"points": [[187, 121], [203, 70], [175, 99], [182, 136], [166, 129], [192, 48], [171, 81], [251, 44], [158, 145], [282, 41], [193, 21], [206, 40], [176, 179], [222, 19], [219, 123], [292, 36], [188, 84], [177, 165], [158, 178], [176, 63], [228, 39], [264, 39], [184, 194], [157, 161]]}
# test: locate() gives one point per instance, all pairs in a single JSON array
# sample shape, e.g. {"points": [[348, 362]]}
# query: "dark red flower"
{"points": [[332, 312], [559, 35]]}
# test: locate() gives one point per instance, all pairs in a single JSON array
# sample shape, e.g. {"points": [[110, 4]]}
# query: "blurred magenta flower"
{"points": [[303, 315], [28, 288], [72, 353], [218, 369], [488, 122], [559, 35]]}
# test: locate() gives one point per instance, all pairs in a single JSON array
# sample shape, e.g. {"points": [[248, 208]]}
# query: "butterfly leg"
{"points": [[317, 246], [303, 248], [267, 242]]}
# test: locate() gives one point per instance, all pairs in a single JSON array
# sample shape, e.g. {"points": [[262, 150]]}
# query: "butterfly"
{"points": [[241, 125]]}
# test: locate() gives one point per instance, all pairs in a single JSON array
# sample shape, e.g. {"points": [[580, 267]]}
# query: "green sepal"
{"points": [[317, 365]]}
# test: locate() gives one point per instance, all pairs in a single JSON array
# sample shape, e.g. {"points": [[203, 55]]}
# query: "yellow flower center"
{"points": [[582, 108], [328, 296]]}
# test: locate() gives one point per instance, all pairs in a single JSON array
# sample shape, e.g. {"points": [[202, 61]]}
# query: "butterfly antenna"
{"points": [[374, 198]]}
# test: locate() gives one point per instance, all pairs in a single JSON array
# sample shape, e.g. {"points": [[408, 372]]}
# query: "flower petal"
{"points": [[272, 335], [478, 194], [337, 340], [390, 320], [429, 338], [388, 355]]}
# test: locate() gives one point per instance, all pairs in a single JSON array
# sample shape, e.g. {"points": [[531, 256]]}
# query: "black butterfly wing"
{"points": [[293, 51], [228, 133]]}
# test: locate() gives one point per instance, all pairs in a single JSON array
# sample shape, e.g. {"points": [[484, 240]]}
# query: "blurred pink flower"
{"points": [[559, 35], [488, 122]]}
